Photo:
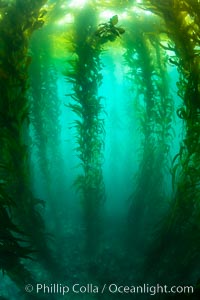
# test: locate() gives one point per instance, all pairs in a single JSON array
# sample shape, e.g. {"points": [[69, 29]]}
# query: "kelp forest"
{"points": [[99, 149]]}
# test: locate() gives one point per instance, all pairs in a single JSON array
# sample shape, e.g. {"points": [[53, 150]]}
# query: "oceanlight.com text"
{"points": [[151, 289], [76, 288]]}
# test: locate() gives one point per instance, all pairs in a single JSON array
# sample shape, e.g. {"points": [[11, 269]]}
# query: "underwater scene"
{"points": [[99, 149]]}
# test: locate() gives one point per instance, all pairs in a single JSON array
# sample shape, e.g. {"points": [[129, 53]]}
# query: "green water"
{"points": [[99, 157]]}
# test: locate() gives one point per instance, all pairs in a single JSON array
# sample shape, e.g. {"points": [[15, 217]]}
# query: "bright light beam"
{"points": [[66, 20], [77, 3]]}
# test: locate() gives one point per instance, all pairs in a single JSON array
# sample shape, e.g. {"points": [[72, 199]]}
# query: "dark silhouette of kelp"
{"points": [[177, 243], [163, 234], [20, 212], [84, 73], [147, 64]]}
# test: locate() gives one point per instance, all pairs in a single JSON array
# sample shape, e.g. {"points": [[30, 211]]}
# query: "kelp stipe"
{"points": [[19, 20], [11, 238], [45, 112], [178, 242], [84, 74], [44, 118], [152, 250], [153, 106]]}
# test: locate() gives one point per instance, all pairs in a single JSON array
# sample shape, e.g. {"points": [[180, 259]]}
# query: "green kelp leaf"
{"points": [[79, 182], [76, 108], [73, 96], [71, 80], [6, 222], [173, 173], [78, 124]]}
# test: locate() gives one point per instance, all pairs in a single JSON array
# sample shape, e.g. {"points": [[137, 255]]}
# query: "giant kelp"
{"points": [[45, 121], [181, 231], [18, 21], [84, 75], [153, 105], [38, 76], [45, 108], [44, 111], [13, 243], [156, 35]]}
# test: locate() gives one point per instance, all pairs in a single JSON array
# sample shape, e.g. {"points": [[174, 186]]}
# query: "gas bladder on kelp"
{"points": [[108, 31]]}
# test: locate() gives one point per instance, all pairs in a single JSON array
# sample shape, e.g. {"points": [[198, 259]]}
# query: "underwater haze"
{"points": [[99, 149]]}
